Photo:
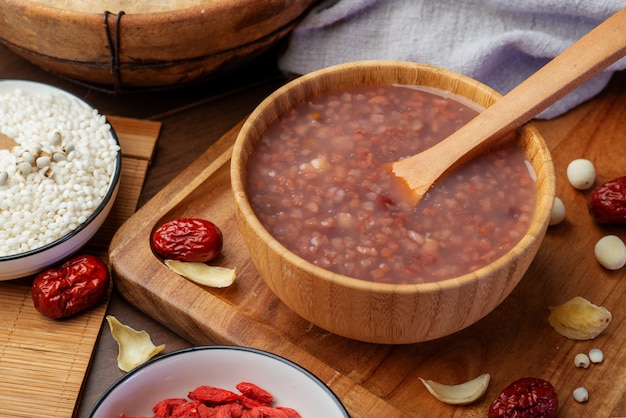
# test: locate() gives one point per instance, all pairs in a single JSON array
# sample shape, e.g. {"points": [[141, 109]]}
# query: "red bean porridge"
{"points": [[320, 182]]}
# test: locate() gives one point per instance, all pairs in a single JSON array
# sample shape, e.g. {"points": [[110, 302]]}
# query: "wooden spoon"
{"points": [[584, 59], [6, 142]]}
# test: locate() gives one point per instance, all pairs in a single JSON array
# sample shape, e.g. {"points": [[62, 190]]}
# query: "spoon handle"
{"points": [[584, 59]]}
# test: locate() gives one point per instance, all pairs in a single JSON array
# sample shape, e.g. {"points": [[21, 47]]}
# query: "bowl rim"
{"points": [[113, 184], [192, 11], [538, 223], [183, 351]]}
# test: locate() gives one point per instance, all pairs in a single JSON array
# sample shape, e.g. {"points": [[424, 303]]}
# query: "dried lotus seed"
{"points": [[581, 174], [610, 252], [581, 394], [581, 360], [558, 212], [596, 355]]}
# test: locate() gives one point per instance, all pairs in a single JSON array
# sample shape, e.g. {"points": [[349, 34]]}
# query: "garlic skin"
{"points": [[203, 274], [579, 319], [135, 347], [461, 394]]}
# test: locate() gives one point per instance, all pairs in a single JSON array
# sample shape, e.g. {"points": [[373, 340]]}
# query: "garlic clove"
{"points": [[203, 274], [579, 319], [135, 347], [461, 394]]}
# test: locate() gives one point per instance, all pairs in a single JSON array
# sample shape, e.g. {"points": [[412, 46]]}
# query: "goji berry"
{"points": [[206, 411], [236, 409], [291, 413], [255, 392], [249, 402], [164, 408], [213, 395], [223, 411], [252, 413], [269, 412], [214, 402], [188, 409]]}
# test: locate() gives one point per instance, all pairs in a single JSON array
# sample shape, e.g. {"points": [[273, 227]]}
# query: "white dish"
{"points": [[31, 262], [175, 374]]}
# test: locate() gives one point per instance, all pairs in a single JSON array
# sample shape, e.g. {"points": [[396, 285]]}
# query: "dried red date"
{"points": [[528, 397], [76, 285], [607, 203], [188, 239]]}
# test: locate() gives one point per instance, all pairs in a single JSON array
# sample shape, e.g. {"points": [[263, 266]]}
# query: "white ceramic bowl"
{"points": [[31, 262], [175, 374]]}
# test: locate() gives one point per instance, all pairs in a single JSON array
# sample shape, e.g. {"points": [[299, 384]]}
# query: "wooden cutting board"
{"points": [[43, 362], [374, 380]]}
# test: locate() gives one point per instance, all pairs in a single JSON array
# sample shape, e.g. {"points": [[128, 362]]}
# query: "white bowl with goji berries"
{"points": [[205, 380], [60, 166]]}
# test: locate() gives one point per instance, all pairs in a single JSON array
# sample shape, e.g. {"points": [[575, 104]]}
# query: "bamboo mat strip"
{"points": [[43, 362]]}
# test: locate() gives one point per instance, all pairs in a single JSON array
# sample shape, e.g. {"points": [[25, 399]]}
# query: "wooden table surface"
{"points": [[193, 118]]}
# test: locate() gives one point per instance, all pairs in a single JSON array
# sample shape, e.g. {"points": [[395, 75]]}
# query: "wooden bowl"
{"points": [[150, 44], [379, 312]]}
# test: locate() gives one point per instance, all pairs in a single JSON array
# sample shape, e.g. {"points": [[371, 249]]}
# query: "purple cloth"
{"points": [[498, 42]]}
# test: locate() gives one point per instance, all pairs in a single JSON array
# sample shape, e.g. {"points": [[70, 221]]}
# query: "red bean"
{"points": [[319, 181]]}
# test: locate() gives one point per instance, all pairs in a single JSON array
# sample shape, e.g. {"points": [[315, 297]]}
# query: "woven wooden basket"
{"points": [[121, 44]]}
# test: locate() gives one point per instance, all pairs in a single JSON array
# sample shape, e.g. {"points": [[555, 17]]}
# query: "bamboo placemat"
{"points": [[43, 362]]}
